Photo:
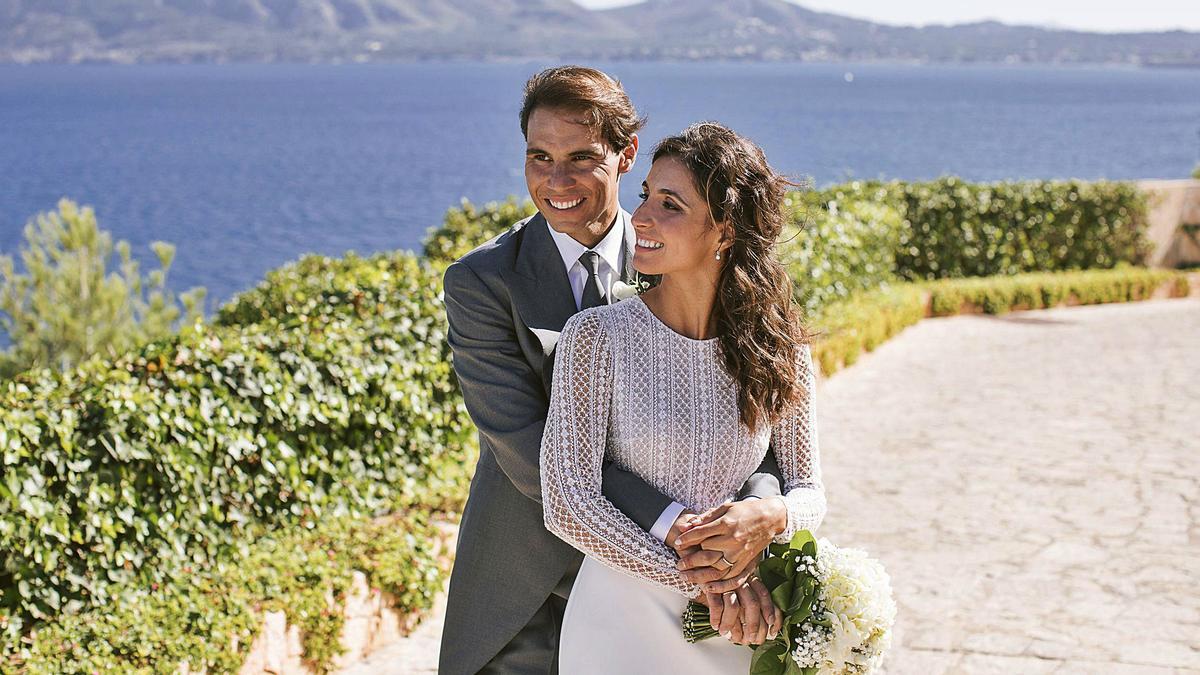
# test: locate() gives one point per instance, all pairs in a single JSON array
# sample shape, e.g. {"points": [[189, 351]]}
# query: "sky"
{"points": [[1092, 15]]}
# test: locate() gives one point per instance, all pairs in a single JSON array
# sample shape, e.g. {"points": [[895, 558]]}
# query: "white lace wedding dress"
{"points": [[628, 388]]}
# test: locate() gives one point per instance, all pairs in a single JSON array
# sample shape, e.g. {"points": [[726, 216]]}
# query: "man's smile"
{"points": [[566, 205]]}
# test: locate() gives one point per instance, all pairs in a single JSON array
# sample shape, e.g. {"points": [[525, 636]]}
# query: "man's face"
{"points": [[572, 173]]}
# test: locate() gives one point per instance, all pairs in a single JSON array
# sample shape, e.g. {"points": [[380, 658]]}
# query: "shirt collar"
{"points": [[609, 247]]}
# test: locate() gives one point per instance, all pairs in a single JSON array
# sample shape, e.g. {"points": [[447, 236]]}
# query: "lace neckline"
{"points": [[664, 328]]}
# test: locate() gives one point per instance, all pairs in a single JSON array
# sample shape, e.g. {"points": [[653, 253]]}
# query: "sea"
{"points": [[246, 167]]}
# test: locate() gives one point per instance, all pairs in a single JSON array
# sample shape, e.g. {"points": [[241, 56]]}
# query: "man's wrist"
{"points": [[677, 526], [666, 523]]}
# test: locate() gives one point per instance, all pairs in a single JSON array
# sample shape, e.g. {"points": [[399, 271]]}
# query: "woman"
{"points": [[686, 385]]}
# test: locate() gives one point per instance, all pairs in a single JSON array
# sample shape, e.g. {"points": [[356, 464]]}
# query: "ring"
{"points": [[724, 560]]}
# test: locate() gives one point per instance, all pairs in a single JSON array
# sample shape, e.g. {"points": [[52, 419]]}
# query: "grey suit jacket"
{"points": [[506, 302]]}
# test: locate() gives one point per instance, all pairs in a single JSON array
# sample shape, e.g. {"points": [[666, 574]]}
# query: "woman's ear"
{"points": [[726, 241]]}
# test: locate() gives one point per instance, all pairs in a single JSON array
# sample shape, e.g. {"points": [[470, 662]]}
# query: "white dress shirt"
{"points": [[609, 269], [610, 265]]}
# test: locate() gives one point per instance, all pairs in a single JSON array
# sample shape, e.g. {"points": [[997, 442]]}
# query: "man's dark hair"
{"points": [[598, 97]]}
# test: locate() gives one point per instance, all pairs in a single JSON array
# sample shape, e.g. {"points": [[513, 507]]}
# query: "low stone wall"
{"points": [[1174, 217], [372, 622]]}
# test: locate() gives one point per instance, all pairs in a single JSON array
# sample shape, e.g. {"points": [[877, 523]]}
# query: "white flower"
{"points": [[622, 290], [855, 598]]}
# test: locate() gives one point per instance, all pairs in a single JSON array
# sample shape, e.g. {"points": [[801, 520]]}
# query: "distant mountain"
{"points": [[128, 31]]}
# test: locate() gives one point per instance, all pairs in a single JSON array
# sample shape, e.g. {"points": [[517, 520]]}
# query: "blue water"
{"points": [[246, 167]]}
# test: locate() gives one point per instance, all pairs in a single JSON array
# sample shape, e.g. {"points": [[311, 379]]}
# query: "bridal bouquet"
{"points": [[837, 610]]}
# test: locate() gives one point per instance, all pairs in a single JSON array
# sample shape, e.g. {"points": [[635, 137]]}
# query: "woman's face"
{"points": [[674, 230]]}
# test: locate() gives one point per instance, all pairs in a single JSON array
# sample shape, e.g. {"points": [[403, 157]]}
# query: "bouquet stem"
{"points": [[696, 623]]}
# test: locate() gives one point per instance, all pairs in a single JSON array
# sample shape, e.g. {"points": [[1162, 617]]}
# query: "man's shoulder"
{"points": [[497, 253]]}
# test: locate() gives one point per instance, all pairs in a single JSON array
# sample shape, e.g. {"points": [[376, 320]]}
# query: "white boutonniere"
{"points": [[623, 291]]}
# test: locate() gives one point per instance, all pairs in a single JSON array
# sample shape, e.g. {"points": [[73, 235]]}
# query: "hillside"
{"points": [[129, 31]]}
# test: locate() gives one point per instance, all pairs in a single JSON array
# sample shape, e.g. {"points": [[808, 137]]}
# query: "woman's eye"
{"points": [[670, 206], [643, 195]]}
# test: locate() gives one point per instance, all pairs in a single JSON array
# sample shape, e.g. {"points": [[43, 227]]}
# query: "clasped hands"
{"points": [[719, 550]]}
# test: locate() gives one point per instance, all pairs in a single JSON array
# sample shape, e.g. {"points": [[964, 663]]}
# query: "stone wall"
{"points": [[1174, 206]]}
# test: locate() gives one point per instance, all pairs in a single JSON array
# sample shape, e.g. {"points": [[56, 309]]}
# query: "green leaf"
{"points": [[801, 538], [781, 595], [768, 659]]}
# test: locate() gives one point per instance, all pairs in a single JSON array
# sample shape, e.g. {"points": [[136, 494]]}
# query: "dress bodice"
{"points": [[628, 388]]}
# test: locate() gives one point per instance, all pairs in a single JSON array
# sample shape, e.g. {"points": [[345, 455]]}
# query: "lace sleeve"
{"points": [[572, 454], [795, 440]]}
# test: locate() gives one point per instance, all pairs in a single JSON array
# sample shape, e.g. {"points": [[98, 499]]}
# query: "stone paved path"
{"points": [[1032, 483]]}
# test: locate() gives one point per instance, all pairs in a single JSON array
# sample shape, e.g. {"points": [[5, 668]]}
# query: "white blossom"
{"points": [[855, 598], [622, 290]]}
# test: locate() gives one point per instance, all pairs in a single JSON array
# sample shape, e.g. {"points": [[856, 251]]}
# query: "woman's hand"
{"points": [[719, 548]]}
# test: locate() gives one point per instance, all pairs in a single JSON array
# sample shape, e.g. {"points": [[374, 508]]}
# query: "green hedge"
{"points": [[196, 617], [859, 324], [468, 226], [999, 295], [959, 229], [847, 328], [839, 243], [326, 391]]}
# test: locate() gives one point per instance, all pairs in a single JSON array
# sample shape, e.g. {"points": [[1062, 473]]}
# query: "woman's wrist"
{"points": [[779, 515]]}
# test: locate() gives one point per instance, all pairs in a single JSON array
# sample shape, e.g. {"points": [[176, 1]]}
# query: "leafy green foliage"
{"points": [[860, 323], [846, 329], [468, 226], [957, 229], [308, 399], [197, 614], [999, 295], [67, 305], [1196, 172], [839, 242]]}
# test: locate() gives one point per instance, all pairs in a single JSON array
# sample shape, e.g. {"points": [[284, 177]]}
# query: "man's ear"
{"points": [[628, 156]]}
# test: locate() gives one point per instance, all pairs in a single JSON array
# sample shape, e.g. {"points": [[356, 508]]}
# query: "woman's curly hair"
{"points": [[758, 325]]}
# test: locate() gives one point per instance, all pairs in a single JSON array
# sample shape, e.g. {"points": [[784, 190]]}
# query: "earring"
{"points": [[718, 254]]}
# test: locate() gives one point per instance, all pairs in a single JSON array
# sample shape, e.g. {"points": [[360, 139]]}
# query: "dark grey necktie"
{"points": [[593, 290]]}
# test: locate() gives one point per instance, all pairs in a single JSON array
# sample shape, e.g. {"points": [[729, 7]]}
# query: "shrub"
{"points": [[858, 324], [839, 242], [867, 319], [957, 229], [998, 295], [302, 403], [468, 226], [196, 616]]}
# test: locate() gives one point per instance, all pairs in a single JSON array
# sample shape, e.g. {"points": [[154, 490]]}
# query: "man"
{"points": [[506, 302]]}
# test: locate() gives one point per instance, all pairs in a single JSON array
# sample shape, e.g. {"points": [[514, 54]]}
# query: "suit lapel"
{"points": [[628, 274], [539, 285]]}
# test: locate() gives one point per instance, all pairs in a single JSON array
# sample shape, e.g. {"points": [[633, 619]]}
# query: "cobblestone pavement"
{"points": [[1032, 483]]}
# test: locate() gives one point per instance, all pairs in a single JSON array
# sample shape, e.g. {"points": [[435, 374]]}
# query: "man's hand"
{"points": [[685, 518], [745, 615], [720, 547]]}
